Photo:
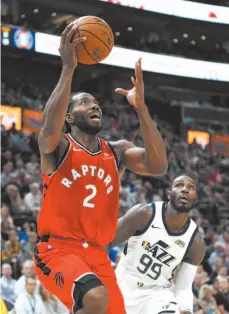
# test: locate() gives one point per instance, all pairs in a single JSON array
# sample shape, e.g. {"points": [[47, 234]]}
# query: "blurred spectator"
{"points": [[28, 301], [218, 252], [222, 273], [28, 247], [32, 165], [51, 303], [27, 271], [12, 199], [224, 238], [11, 248], [33, 198], [124, 202], [138, 196], [7, 223], [7, 284], [208, 302], [222, 297], [5, 175]]}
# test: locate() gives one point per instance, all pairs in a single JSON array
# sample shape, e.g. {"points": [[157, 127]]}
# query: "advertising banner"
{"points": [[151, 62], [32, 121], [180, 8], [10, 115], [220, 145], [201, 138]]}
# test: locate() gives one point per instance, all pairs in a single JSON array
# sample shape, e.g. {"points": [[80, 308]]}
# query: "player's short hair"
{"points": [[70, 106], [190, 175], [67, 128], [33, 277]]}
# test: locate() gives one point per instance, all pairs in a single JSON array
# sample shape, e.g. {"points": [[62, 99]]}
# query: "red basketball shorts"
{"points": [[61, 263]]}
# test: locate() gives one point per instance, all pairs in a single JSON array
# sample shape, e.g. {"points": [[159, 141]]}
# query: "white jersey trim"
{"points": [[84, 148]]}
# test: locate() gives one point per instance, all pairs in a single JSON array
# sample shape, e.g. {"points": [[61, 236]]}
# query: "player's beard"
{"points": [[86, 128], [180, 208]]}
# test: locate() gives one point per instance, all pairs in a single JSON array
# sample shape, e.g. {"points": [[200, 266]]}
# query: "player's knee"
{"points": [[96, 301], [90, 295]]}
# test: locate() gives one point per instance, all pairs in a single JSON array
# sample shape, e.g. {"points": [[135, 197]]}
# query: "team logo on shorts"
{"points": [[180, 243], [59, 278]]}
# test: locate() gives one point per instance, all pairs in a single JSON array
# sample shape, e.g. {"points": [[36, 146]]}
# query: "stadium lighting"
{"points": [[130, 28], [54, 14], [185, 35], [193, 42], [203, 37], [117, 34], [175, 40], [35, 10], [22, 16]]}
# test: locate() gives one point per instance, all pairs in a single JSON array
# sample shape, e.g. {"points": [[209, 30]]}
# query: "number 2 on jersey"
{"points": [[86, 202], [147, 261]]}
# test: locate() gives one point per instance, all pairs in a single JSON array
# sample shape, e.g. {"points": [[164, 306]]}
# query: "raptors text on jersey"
{"points": [[81, 198]]}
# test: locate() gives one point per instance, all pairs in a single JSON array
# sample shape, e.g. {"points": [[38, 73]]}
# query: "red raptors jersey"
{"points": [[81, 198]]}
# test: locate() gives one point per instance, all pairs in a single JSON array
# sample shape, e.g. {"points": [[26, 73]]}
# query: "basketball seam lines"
{"points": [[86, 49], [94, 24], [84, 30]]}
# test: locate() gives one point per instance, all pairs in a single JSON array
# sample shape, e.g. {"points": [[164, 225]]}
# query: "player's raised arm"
{"points": [[57, 105], [136, 219], [152, 159], [186, 274]]}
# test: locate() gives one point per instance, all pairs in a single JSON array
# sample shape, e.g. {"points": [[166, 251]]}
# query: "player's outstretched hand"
{"points": [[68, 45], [135, 96]]}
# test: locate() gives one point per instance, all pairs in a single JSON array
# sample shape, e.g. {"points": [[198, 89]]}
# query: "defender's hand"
{"points": [[68, 45], [135, 96]]}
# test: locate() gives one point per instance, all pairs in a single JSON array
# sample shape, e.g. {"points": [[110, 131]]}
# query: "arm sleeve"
{"points": [[183, 287]]}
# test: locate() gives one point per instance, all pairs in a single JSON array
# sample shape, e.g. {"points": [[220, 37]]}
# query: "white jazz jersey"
{"points": [[145, 271]]}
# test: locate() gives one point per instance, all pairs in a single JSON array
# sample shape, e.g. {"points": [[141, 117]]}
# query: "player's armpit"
{"points": [[135, 219], [197, 251], [51, 161]]}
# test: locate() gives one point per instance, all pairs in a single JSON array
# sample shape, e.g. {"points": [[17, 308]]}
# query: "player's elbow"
{"points": [[158, 169]]}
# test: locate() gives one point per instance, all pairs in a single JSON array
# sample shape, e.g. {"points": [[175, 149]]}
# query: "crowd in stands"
{"points": [[21, 188]]}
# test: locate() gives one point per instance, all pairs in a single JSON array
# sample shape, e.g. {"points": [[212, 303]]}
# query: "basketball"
{"points": [[100, 39]]}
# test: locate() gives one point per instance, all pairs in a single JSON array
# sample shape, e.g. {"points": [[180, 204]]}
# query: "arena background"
{"points": [[185, 51]]}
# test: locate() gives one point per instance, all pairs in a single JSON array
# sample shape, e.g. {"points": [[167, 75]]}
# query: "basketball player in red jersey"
{"points": [[81, 190]]}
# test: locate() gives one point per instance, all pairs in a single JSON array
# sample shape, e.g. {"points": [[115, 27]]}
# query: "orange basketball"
{"points": [[100, 39]]}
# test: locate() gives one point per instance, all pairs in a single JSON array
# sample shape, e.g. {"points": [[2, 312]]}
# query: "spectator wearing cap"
{"points": [[29, 302], [33, 198], [222, 297], [27, 271], [218, 252], [7, 284]]}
